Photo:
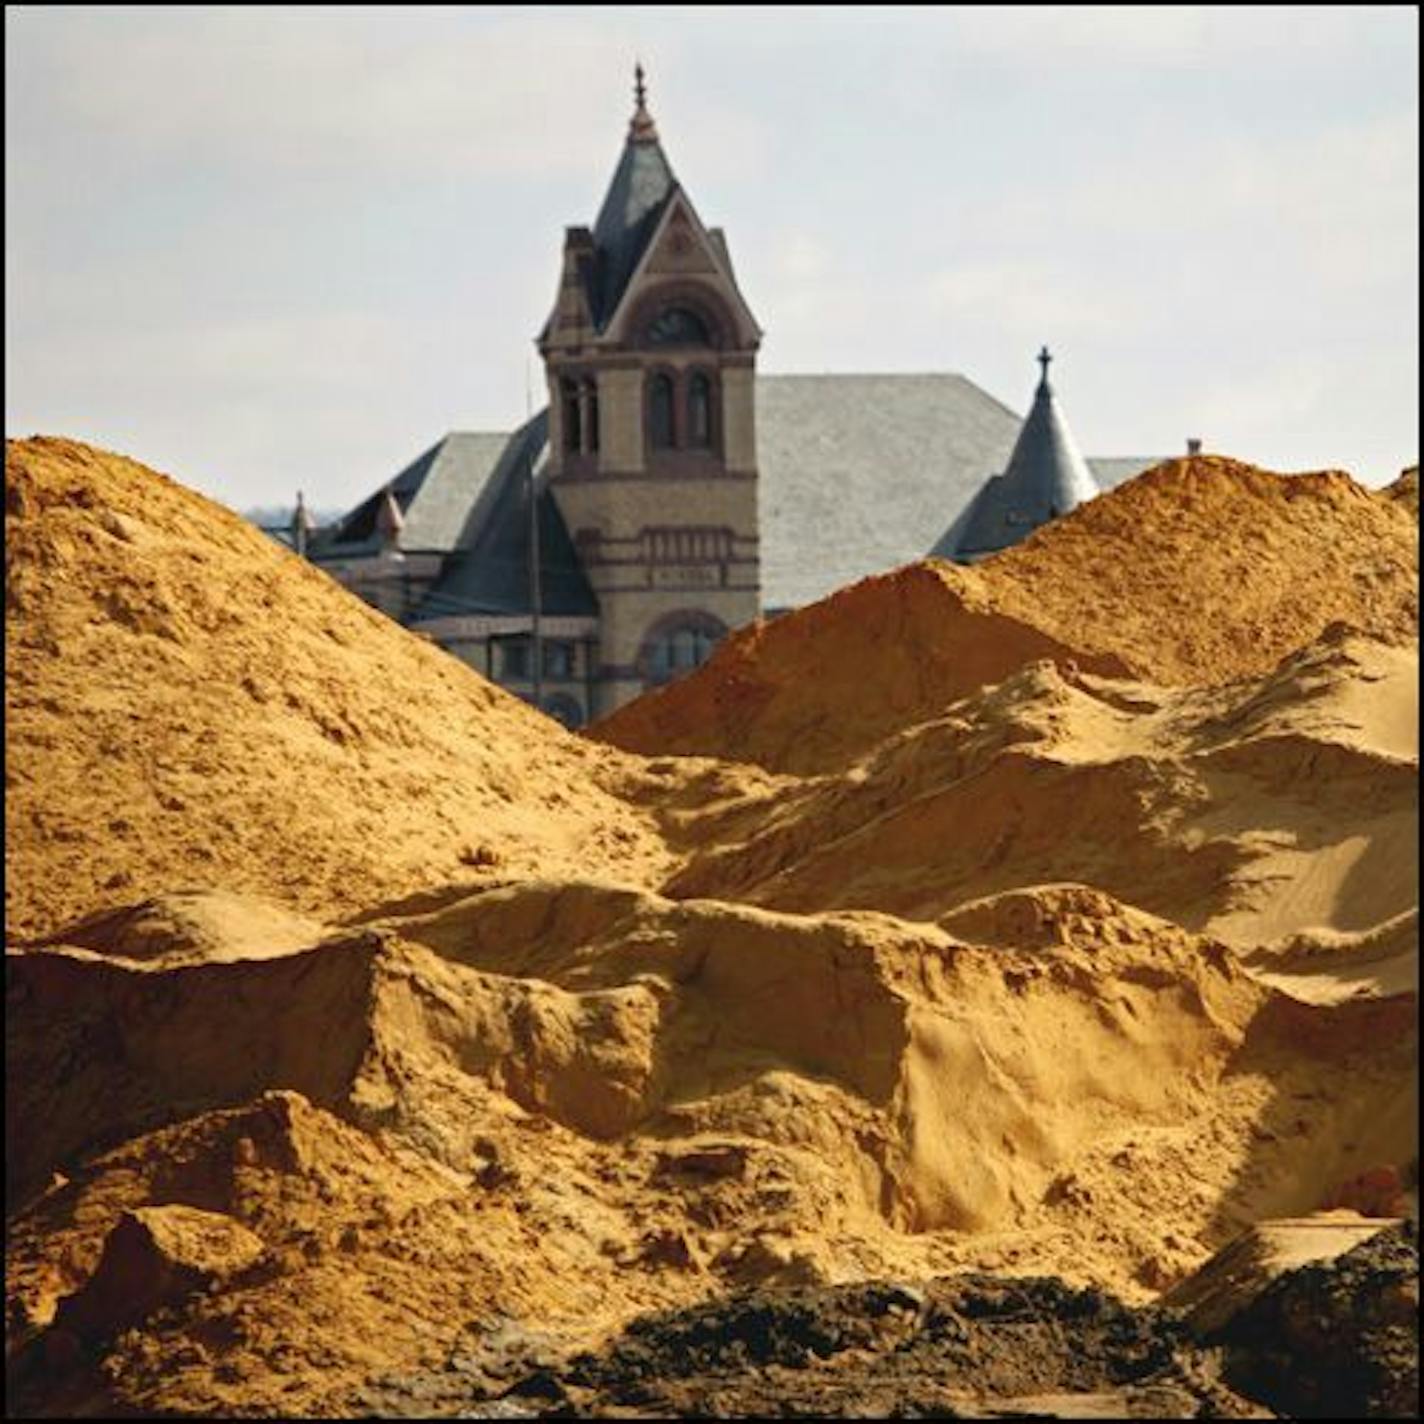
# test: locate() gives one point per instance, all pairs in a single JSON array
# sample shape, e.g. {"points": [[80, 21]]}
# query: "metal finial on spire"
{"points": [[1043, 359], [642, 129]]}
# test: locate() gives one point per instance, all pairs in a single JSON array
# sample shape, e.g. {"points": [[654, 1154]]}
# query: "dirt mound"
{"points": [[1406, 489], [196, 926], [956, 1346], [1201, 571], [550, 1081], [470, 1041], [188, 705], [1339, 1339], [1261, 809]]}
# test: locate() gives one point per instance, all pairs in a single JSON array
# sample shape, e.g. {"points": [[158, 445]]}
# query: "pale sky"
{"points": [[269, 249]]}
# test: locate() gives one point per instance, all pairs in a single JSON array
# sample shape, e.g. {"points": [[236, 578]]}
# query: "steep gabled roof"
{"points": [[489, 572], [1046, 476], [642, 186], [856, 472], [436, 494]]}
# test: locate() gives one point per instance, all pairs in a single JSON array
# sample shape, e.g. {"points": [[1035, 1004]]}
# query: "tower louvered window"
{"points": [[590, 390], [660, 414], [699, 411], [573, 421]]}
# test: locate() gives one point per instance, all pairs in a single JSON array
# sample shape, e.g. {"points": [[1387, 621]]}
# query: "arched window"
{"points": [[676, 326], [591, 396], [660, 403], [677, 650], [573, 424], [699, 411]]}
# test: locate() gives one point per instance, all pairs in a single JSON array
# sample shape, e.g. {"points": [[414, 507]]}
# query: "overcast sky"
{"points": [[270, 249]]}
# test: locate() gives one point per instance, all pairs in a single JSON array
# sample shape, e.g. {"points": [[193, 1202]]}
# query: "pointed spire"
{"points": [[641, 129], [1045, 478], [1047, 475]]}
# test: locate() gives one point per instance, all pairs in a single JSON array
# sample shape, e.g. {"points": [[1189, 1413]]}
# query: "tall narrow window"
{"points": [[660, 397], [699, 411], [573, 423], [591, 388]]}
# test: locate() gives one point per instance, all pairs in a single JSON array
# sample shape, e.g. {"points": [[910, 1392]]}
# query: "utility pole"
{"points": [[536, 640], [536, 594]]}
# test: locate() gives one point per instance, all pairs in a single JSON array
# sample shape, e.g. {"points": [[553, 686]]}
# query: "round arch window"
{"points": [[674, 650], [677, 326]]}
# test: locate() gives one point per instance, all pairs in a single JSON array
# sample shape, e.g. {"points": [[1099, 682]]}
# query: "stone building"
{"points": [[668, 492]]}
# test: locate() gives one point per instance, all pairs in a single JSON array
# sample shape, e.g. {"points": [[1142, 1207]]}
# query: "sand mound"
{"points": [[1265, 808], [428, 1032], [190, 706], [721, 1073], [1200, 571], [1405, 489], [193, 926]]}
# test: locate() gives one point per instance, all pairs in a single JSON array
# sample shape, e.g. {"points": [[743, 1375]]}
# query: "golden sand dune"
{"points": [[1250, 811], [1200, 571], [190, 706], [1062, 1082], [1044, 953]]}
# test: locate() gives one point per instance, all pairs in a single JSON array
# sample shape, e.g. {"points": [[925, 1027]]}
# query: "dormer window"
{"points": [[677, 326]]}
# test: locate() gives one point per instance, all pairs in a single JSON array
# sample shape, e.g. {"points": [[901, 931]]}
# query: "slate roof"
{"points": [[488, 571], [1046, 476], [859, 473], [436, 493], [642, 186]]}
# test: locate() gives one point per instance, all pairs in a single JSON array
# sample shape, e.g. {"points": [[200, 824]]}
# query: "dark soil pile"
{"points": [[962, 1346], [1338, 1339]]}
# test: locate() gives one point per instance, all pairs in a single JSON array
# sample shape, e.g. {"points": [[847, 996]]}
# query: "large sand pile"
{"points": [[189, 704], [573, 1101], [1200, 571], [1267, 808], [1055, 967]]}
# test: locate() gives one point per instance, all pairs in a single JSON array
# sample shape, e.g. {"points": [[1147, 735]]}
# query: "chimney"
{"points": [[1193, 445], [571, 309], [389, 523], [303, 525]]}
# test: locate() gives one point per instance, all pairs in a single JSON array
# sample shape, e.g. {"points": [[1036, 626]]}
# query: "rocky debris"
{"points": [[1336, 1339], [155, 1256], [1210, 1298], [957, 1347]]}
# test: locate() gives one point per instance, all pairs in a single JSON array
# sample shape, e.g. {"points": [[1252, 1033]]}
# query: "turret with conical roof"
{"points": [[1046, 476]]}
